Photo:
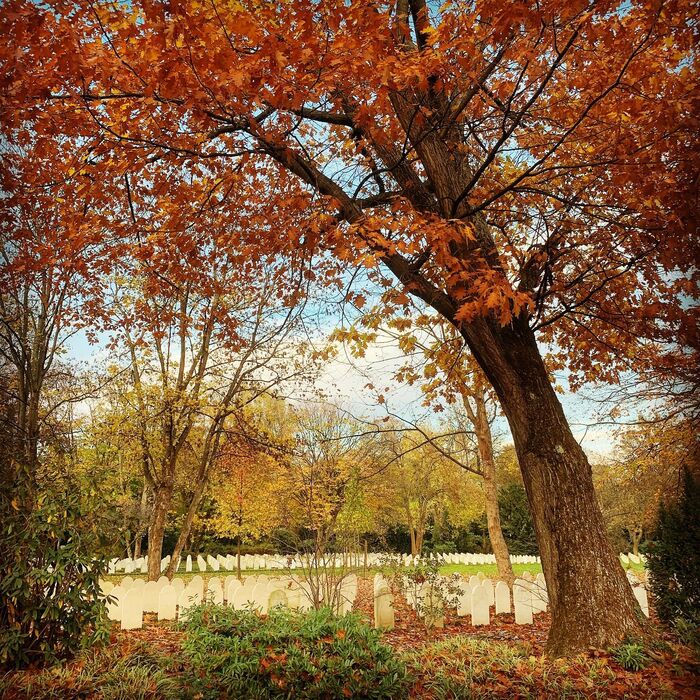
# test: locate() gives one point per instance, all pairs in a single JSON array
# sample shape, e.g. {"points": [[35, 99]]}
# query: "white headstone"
{"points": [[114, 610], [480, 605], [487, 584], [242, 598], [178, 584], [197, 585], [231, 585], [201, 564], [189, 597], [383, 608], [260, 595], [151, 591], [540, 597], [214, 591], [522, 601], [167, 603], [464, 600], [502, 595], [640, 593], [276, 598], [188, 564], [132, 609], [126, 583]]}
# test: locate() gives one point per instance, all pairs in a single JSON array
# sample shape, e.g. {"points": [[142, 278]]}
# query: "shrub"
{"points": [[630, 656], [49, 581], [236, 653], [673, 559], [441, 548]]}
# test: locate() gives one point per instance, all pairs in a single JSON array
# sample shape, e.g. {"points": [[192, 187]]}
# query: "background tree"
{"points": [[247, 488], [647, 467]]}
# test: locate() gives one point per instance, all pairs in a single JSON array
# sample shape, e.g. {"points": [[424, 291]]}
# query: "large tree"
{"points": [[524, 169]]}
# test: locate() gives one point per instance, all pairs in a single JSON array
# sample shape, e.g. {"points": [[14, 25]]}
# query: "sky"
{"points": [[344, 379]]}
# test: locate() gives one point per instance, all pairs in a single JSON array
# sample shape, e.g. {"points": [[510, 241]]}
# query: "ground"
{"points": [[502, 660]]}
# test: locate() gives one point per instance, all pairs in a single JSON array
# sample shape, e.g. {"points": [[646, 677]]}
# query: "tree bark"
{"points": [[488, 468], [591, 600], [161, 504]]}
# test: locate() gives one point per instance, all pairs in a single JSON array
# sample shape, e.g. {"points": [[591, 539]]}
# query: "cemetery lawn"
{"points": [[467, 570], [318, 656]]}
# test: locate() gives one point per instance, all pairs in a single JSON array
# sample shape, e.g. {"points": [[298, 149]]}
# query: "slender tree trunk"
{"points": [[161, 503], [138, 541], [143, 521], [488, 467], [591, 600], [186, 527], [238, 557], [636, 533]]}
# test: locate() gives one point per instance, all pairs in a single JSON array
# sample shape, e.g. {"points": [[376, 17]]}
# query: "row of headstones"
{"points": [[228, 562], [377, 558], [479, 594], [130, 566], [170, 599], [633, 558], [456, 558], [211, 563]]}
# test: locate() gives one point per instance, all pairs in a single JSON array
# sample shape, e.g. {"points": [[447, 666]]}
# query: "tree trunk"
{"points": [[186, 527], [488, 468], [238, 557], [591, 600], [161, 504], [636, 533], [142, 526], [137, 544]]}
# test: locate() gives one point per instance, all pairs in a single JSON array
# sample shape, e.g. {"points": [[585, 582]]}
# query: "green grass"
{"points": [[465, 569], [490, 570]]}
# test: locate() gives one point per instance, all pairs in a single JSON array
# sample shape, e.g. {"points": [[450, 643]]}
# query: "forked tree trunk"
{"points": [[591, 600], [156, 531], [488, 468]]}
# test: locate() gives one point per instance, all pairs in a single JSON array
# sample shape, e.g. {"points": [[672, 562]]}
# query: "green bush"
{"points": [[630, 656], [442, 548], [236, 653], [49, 580], [673, 558]]}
